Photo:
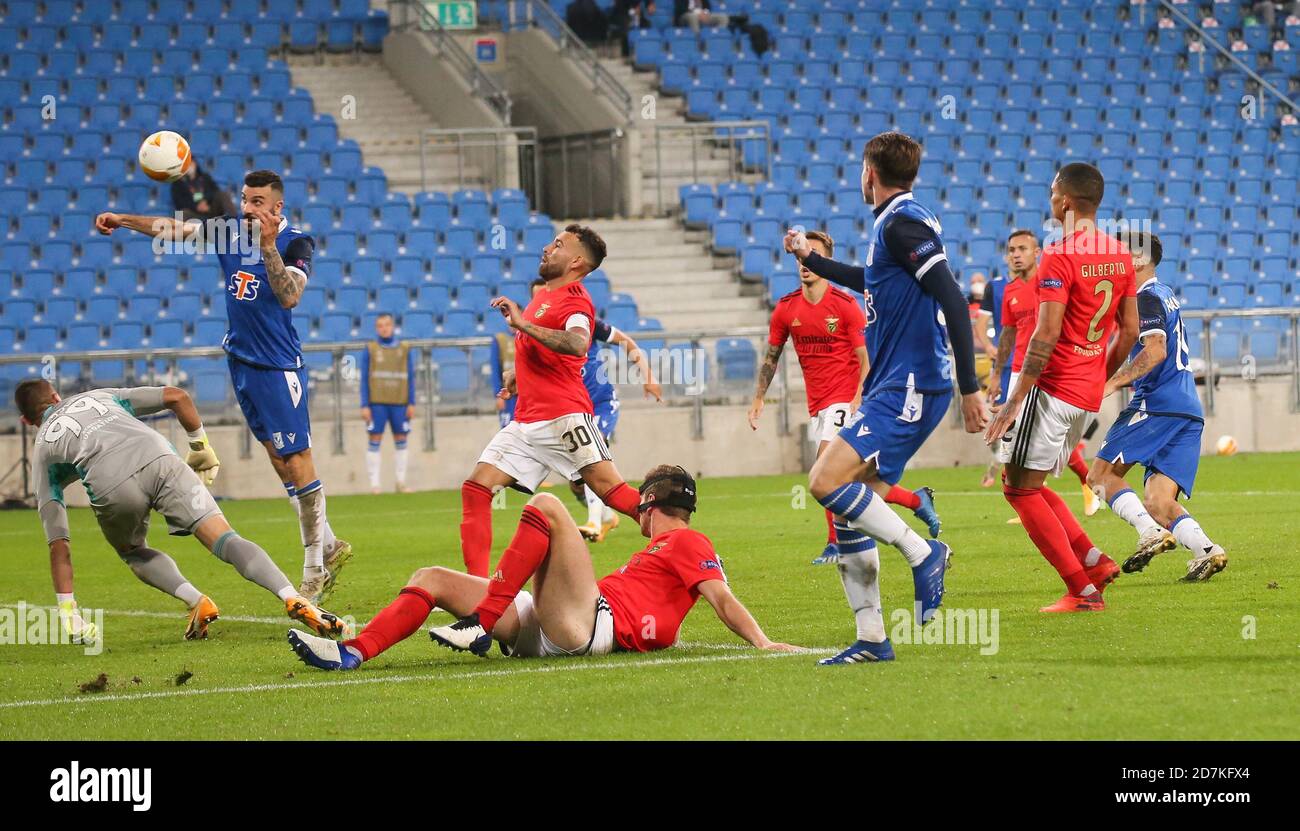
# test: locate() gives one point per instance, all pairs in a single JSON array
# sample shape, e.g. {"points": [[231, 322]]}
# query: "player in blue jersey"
{"points": [[1160, 429], [910, 293], [265, 262]]}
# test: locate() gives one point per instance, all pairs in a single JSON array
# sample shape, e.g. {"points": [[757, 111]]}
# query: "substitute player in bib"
{"points": [[909, 294], [265, 263], [827, 326], [1160, 429], [639, 608], [387, 398], [553, 427], [1086, 290], [129, 469]]}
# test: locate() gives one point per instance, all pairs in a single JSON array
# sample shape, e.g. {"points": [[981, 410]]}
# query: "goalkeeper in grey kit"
{"points": [[129, 469]]}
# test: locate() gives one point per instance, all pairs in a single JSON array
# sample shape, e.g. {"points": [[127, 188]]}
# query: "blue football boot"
{"points": [[927, 578], [862, 652], [830, 555], [926, 513], [322, 653]]}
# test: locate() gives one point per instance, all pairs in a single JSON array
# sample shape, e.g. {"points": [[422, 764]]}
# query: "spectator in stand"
{"points": [[196, 195], [629, 15], [697, 14], [1267, 11], [587, 21]]}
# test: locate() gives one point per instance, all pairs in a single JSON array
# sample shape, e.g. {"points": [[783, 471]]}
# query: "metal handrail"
{"points": [[482, 85], [494, 138], [699, 132], [535, 13]]}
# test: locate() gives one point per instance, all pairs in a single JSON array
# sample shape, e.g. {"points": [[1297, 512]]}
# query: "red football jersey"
{"points": [[1090, 273], [825, 336], [1020, 309], [550, 384], [651, 595]]}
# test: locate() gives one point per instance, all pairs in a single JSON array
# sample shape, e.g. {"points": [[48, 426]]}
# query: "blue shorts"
{"points": [[386, 415], [1005, 388], [606, 415], [274, 402], [892, 425], [1165, 444]]}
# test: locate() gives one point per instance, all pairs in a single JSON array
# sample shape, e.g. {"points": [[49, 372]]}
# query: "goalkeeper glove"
{"points": [[78, 630], [202, 459]]}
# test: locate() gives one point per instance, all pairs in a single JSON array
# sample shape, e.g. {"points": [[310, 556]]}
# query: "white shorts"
{"points": [[528, 451], [827, 424], [1011, 385], [1045, 431], [531, 642]]}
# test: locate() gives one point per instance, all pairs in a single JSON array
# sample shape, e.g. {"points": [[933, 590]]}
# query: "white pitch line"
{"points": [[567, 666]]}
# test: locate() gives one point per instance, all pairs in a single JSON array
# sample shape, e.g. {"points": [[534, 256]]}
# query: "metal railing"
{"points": [[706, 137], [584, 174], [506, 157], [1252, 369], [414, 16], [525, 14]]}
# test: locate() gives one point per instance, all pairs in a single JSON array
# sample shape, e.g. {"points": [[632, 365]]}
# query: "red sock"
{"points": [[1078, 465], [395, 622], [624, 499], [475, 527], [1079, 542], [902, 496], [523, 556], [830, 527], [1048, 535]]}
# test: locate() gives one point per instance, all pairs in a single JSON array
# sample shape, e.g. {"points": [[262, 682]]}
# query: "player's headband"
{"points": [[685, 498]]}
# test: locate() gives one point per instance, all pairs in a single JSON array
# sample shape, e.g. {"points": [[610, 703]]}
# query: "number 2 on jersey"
{"points": [[1108, 288]]}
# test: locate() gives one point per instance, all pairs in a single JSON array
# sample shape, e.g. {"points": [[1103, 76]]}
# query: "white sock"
{"points": [[399, 465], [595, 508], [1094, 556], [187, 594], [607, 515], [372, 467], [297, 511], [1189, 534], [879, 522], [328, 539], [1129, 508], [287, 592], [860, 574]]}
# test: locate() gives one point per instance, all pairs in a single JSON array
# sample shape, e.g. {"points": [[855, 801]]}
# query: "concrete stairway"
{"points": [[388, 123]]}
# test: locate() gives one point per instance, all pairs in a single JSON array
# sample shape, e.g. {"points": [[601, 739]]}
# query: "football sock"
{"points": [[1078, 464], [607, 514], [395, 622], [372, 464], [1045, 529], [154, 568], [859, 567], [1079, 542], [1128, 507], [861, 510], [292, 493], [475, 527], [595, 508], [624, 499], [902, 496], [253, 564], [1189, 534], [311, 520], [830, 527], [522, 557], [399, 461]]}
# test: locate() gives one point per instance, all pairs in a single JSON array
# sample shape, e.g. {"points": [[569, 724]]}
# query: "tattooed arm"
{"points": [[1041, 345], [766, 373], [1153, 352], [287, 283], [564, 341], [1006, 347], [1125, 336]]}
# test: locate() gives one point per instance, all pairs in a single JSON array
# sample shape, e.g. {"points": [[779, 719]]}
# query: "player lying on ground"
{"points": [[909, 291], [638, 608], [265, 263], [1160, 429], [827, 326], [128, 468], [1019, 314], [553, 426], [1085, 292]]}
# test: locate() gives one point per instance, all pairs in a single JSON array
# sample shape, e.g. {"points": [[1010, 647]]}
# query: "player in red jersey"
{"points": [[1019, 315], [1086, 289], [639, 608], [553, 427], [827, 325]]}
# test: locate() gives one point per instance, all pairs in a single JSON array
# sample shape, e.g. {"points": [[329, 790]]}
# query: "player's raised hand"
{"points": [[508, 388], [652, 388], [267, 224], [106, 222], [973, 412], [755, 410], [509, 310], [796, 243]]}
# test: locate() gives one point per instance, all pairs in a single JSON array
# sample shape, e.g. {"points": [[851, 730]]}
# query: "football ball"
{"points": [[1226, 445], [165, 156]]}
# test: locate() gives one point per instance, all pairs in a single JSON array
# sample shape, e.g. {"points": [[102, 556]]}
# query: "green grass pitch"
{"points": [[1166, 660]]}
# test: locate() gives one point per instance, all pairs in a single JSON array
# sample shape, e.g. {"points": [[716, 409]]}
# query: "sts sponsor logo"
{"points": [[244, 285]]}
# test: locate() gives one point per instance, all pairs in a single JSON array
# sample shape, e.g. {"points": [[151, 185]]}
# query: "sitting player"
{"points": [[1160, 429], [128, 468], [638, 608]]}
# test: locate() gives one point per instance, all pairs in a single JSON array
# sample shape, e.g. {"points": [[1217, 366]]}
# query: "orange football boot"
{"points": [[203, 613]]}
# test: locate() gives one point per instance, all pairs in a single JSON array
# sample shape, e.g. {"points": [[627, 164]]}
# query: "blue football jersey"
{"points": [[595, 376], [1170, 388], [261, 331], [905, 336]]}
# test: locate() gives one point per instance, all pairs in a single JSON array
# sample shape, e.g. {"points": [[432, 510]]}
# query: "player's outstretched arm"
{"points": [[1153, 352], [766, 373], [1006, 346], [638, 357], [737, 618], [61, 565], [849, 276], [161, 227], [202, 459]]}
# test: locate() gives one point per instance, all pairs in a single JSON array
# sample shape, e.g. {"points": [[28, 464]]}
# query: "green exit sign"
{"points": [[454, 14]]}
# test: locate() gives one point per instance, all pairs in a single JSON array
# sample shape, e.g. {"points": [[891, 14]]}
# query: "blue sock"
{"points": [[848, 501]]}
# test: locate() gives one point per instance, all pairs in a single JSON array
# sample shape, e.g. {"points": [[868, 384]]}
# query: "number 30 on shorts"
{"points": [[579, 436]]}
